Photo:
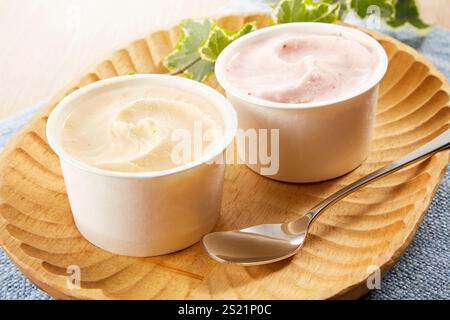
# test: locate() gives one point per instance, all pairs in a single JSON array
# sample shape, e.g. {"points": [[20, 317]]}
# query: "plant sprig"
{"points": [[202, 40], [200, 44]]}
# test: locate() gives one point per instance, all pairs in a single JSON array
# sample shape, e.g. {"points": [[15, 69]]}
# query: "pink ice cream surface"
{"points": [[301, 68]]}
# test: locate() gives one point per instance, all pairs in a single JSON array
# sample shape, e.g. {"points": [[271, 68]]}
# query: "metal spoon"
{"points": [[269, 243]]}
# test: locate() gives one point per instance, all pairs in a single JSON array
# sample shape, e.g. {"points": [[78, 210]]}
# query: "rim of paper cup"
{"points": [[220, 103], [325, 28]]}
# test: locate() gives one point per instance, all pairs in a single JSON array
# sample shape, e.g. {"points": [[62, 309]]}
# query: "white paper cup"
{"points": [[151, 213], [317, 141]]}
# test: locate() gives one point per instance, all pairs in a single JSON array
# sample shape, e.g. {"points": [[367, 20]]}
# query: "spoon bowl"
{"points": [[258, 244]]}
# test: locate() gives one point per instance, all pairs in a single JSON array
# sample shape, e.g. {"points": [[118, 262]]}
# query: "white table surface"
{"points": [[46, 44]]}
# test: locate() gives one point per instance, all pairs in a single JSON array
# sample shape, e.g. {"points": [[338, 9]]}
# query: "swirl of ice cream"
{"points": [[131, 128], [292, 68]]}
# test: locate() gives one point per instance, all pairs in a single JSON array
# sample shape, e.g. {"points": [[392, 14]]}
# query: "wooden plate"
{"points": [[369, 228]]}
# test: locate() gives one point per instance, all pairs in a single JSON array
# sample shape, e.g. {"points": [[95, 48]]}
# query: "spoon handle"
{"points": [[438, 144]]}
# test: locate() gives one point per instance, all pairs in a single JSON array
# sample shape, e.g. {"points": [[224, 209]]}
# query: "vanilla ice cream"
{"points": [[135, 128]]}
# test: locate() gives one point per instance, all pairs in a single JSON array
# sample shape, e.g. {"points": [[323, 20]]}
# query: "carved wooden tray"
{"points": [[370, 227]]}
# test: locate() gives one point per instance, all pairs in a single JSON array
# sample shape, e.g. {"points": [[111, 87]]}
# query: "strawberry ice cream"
{"points": [[293, 68]]}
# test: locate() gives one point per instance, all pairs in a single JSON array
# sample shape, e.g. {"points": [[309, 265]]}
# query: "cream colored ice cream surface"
{"points": [[140, 128]]}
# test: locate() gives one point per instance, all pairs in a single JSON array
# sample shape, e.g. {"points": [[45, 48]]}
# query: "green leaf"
{"points": [[361, 7], [406, 12], [199, 46], [305, 10], [343, 9], [194, 33], [219, 39], [246, 28], [200, 70]]}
